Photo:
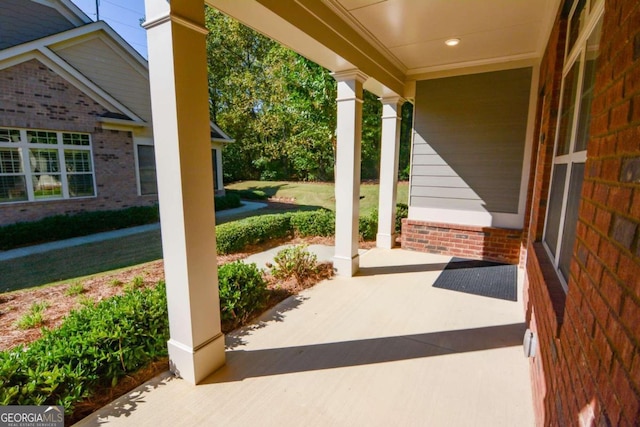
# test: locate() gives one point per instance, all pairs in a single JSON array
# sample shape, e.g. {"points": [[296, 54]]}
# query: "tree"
{"points": [[279, 107]]}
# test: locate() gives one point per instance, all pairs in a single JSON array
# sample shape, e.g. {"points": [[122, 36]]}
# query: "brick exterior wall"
{"points": [[587, 369], [33, 96], [493, 244]]}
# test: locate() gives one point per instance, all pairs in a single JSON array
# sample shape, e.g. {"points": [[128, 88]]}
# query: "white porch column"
{"points": [[390, 143], [179, 101], [347, 186]]}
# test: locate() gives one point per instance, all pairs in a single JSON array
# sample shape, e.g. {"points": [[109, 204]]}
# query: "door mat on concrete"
{"points": [[484, 278]]}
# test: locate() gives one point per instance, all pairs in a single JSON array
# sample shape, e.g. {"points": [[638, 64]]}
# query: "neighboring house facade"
{"points": [[75, 116], [526, 149]]}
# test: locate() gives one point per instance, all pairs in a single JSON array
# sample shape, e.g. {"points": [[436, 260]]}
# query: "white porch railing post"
{"points": [[389, 149], [181, 128], [347, 185]]}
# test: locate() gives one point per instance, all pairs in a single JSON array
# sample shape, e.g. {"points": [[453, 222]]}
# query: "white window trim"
{"points": [[147, 142], [24, 146], [594, 12]]}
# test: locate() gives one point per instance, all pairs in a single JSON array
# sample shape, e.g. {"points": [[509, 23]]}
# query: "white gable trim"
{"points": [[225, 138], [70, 74]]}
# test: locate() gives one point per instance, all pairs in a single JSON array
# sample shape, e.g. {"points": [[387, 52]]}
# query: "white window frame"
{"points": [[23, 146], [592, 13]]}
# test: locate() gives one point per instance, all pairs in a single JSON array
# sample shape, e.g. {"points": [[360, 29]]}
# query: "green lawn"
{"points": [[318, 194]]}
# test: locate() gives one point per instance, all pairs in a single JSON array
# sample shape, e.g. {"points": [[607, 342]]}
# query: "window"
{"points": [[578, 81], [44, 165], [147, 170]]}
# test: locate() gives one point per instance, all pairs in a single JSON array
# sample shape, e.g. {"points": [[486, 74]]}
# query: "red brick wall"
{"points": [[33, 96], [495, 244], [588, 363]]}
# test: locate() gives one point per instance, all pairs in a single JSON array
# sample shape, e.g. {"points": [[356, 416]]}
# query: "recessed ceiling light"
{"points": [[452, 42]]}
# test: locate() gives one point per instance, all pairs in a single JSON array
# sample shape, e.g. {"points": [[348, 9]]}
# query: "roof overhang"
{"points": [[41, 50], [395, 42]]}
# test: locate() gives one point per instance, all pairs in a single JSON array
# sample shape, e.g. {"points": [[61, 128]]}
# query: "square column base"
{"points": [[347, 267], [194, 365], [385, 241]]}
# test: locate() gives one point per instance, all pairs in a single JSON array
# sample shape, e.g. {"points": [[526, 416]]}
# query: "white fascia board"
{"points": [[225, 138], [120, 124], [67, 9]]}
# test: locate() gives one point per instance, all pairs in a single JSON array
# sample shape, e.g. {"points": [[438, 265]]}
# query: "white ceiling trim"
{"points": [[482, 65]]}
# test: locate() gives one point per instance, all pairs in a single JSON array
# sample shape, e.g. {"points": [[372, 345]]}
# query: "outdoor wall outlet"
{"points": [[530, 343]]}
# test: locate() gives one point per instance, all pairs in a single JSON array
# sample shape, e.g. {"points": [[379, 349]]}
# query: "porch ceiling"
{"points": [[383, 348], [394, 41]]}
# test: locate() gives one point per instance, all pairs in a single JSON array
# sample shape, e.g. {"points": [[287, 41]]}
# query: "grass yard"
{"points": [[317, 194]]}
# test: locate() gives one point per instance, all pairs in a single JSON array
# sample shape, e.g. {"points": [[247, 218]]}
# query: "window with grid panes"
{"points": [[583, 44], [40, 165]]}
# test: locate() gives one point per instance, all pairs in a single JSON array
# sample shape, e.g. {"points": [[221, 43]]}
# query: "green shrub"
{"points": [[249, 194], [402, 211], [74, 289], [243, 290], [314, 223], [94, 347], [136, 283], [60, 227], [295, 261], [34, 318], [228, 201], [368, 226], [237, 235]]}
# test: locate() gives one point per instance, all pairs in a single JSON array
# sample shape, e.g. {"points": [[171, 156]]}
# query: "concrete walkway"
{"points": [[81, 256], [115, 234], [384, 348]]}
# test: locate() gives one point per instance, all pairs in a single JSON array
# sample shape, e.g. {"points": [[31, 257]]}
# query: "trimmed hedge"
{"points": [[314, 223], [236, 235], [94, 347], [60, 227], [228, 201], [402, 211], [249, 194], [368, 226]]}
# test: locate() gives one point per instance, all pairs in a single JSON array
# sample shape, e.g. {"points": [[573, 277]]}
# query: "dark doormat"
{"points": [[484, 278]]}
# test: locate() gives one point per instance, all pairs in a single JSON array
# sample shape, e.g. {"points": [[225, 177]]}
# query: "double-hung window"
{"points": [[583, 49], [45, 165]]}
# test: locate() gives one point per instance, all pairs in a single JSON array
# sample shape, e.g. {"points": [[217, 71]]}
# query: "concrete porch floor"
{"points": [[383, 348]]}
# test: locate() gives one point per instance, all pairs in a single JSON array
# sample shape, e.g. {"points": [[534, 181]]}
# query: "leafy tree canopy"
{"points": [[279, 107]]}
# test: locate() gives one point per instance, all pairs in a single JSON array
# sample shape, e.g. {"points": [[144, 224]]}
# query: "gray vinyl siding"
{"points": [[106, 68], [22, 21], [469, 141]]}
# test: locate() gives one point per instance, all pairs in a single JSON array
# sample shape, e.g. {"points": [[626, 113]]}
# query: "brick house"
{"points": [[75, 116], [526, 149]]}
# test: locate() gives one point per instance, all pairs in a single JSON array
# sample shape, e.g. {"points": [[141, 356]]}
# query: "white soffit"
{"points": [[412, 32]]}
